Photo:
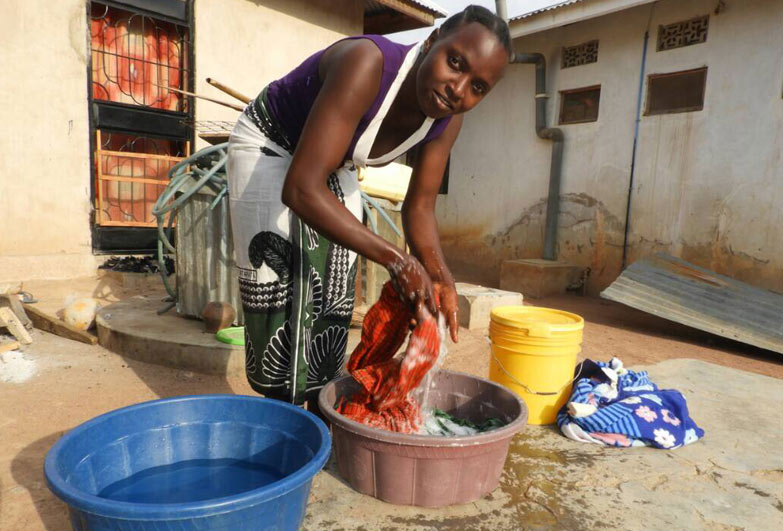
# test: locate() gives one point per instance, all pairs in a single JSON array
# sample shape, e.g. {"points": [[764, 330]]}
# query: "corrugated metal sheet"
{"points": [[679, 291], [205, 256], [547, 8]]}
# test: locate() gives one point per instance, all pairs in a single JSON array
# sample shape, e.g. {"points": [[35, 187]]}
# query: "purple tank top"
{"points": [[291, 97]]}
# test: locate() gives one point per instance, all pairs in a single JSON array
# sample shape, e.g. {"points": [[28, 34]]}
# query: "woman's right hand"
{"points": [[412, 282]]}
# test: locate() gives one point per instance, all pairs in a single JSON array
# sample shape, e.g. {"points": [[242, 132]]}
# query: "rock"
{"points": [[217, 316], [80, 313]]}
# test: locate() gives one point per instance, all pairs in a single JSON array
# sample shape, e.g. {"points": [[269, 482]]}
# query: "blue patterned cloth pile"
{"points": [[613, 406]]}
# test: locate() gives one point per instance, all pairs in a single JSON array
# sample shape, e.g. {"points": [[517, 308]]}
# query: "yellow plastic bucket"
{"points": [[533, 352]]}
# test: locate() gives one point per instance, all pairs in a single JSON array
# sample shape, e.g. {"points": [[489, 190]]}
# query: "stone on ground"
{"points": [[538, 278], [476, 303]]}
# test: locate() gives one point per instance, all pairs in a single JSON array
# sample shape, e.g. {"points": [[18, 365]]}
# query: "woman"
{"points": [[295, 204]]}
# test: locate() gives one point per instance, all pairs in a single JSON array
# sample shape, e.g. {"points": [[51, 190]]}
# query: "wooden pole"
{"points": [[99, 175], [186, 93], [228, 90]]}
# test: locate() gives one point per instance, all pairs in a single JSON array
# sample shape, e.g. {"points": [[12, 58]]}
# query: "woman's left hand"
{"points": [[446, 295]]}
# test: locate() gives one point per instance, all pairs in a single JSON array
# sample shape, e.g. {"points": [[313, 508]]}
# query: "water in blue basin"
{"points": [[192, 463], [192, 481]]}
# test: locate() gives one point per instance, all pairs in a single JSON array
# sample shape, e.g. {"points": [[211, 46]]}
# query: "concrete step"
{"points": [[539, 278], [477, 302], [132, 328]]}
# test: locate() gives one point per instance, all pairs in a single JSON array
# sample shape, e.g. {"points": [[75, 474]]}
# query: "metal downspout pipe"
{"points": [[548, 133], [556, 136], [500, 9]]}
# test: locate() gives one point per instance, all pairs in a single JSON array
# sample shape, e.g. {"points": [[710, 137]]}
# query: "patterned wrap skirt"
{"points": [[297, 288]]}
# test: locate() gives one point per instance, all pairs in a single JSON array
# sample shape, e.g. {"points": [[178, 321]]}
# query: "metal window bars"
{"points": [[137, 58]]}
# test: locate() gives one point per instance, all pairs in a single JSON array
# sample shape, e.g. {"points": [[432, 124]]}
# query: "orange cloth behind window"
{"points": [[383, 400]]}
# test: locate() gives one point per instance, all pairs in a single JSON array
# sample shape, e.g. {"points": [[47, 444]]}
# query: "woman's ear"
{"points": [[431, 39]]}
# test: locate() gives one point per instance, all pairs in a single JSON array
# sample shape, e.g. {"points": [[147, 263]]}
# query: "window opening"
{"points": [[137, 59], [141, 125], [579, 105], [676, 92]]}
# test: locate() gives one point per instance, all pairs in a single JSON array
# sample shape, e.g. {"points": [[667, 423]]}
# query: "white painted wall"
{"points": [[246, 44], [708, 184], [44, 137], [44, 141]]}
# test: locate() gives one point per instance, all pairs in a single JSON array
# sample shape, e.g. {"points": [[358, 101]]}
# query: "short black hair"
{"points": [[483, 16]]}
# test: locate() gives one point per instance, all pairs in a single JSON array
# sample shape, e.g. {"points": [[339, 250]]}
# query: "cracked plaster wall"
{"points": [[708, 184]]}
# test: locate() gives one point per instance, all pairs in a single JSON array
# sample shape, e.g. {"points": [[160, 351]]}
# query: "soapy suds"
{"points": [[15, 367], [444, 427], [440, 423]]}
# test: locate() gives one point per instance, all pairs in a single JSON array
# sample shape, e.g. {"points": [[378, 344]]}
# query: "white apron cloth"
{"points": [[297, 288]]}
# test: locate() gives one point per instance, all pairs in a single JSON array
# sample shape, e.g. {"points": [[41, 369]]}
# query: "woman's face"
{"points": [[459, 69]]}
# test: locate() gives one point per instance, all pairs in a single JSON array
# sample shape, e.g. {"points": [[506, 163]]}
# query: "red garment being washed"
{"points": [[383, 400]]}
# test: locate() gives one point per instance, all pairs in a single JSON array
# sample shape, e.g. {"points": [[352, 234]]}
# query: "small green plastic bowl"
{"points": [[233, 335]]}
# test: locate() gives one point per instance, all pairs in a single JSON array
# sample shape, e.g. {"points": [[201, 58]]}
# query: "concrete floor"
{"points": [[733, 479]]}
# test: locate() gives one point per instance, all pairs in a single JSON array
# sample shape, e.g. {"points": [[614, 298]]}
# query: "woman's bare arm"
{"points": [[351, 73], [421, 227]]}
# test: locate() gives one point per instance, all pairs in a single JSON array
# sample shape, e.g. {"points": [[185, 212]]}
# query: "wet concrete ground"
{"points": [[733, 479]]}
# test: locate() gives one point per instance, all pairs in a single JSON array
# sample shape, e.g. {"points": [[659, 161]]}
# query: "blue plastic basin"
{"points": [[194, 462]]}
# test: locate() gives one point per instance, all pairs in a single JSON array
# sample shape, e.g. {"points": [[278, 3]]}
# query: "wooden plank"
{"points": [[141, 180], [413, 11], [49, 323], [145, 156], [7, 346], [128, 224], [98, 175], [215, 138], [9, 320], [391, 22], [8, 300]]}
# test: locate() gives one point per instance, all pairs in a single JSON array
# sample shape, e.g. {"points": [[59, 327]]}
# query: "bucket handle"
{"points": [[529, 390]]}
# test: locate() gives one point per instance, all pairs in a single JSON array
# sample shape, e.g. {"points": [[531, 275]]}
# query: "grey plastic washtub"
{"points": [[424, 470]]}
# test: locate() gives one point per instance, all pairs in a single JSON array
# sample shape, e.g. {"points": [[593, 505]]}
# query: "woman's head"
{"points": [[464, 60], [482, 16]]}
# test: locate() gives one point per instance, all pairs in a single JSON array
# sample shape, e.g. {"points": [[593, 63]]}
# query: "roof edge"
{"points": [[568, 12]]}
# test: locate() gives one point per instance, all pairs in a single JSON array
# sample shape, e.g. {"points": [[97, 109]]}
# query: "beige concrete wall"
{"points": [[245, 44], [708, 184], [44, 137], [44, 141]]}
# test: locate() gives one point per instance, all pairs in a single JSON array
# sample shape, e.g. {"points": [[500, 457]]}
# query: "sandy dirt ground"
{"points": [[74, 382], [635, 337]]}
